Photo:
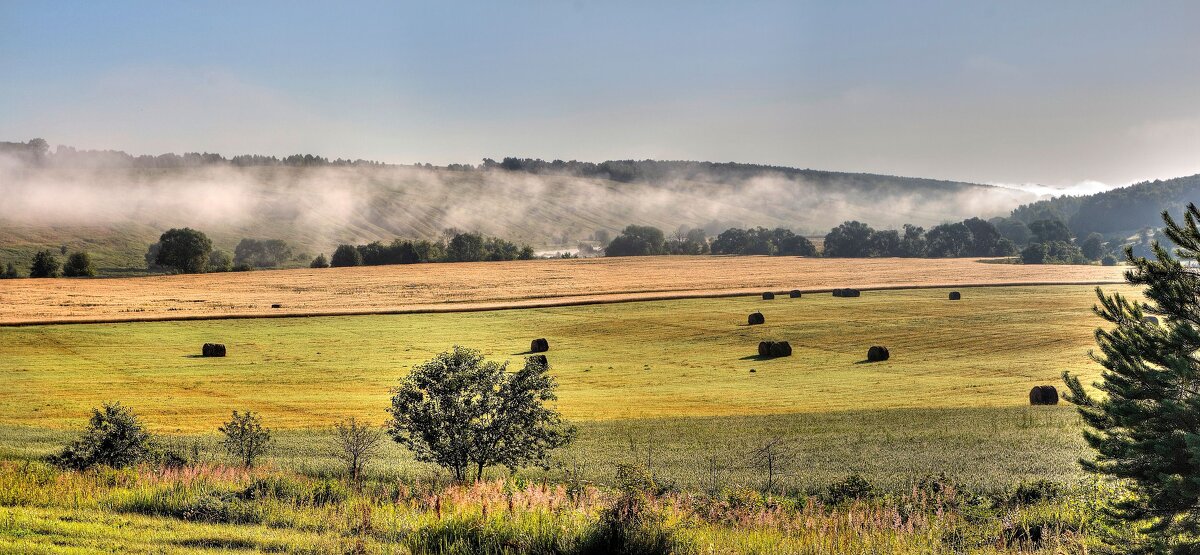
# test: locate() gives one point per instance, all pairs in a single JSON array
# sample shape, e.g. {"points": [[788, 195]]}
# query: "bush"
{"points": [[319, 262], [1108, 260], [114, 437], [632, 524], [245, 437], [79, 264], [45, 265], [852, 488], [219, 261]]}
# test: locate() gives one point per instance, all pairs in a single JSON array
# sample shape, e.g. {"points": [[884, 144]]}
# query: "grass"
{"points": [[214, 508], [490, 285], [666, 381], [637, 360]]}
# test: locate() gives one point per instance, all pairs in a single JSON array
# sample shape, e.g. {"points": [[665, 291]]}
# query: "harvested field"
{"points": [[680, 358], [491, 285]]}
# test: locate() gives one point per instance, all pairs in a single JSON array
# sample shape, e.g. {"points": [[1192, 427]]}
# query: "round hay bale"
{"points": [[539, 359], [212, 350], [539, 345], [878, 353], [768, 296], [846, 292], [794, 293], [756, 318], [781, 349], [955, 295], [764, 348], [1043, 395], [1150, 320]]}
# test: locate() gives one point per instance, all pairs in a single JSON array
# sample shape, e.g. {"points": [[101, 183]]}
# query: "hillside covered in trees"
{"points": [[113, 204], [1122, 210]]}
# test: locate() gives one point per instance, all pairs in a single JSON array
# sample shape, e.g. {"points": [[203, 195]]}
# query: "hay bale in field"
{"points": [[1150, 320], [794, 293], [878, 353], [756, 318], [1043, 395], [212, 350], [539, 345], [768, 296], [846, 292], [772, 349], [276, 306], [955, 295], [540, 359]]}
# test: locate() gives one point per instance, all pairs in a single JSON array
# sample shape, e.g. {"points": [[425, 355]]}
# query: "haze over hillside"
{"points": [[115, 204]]}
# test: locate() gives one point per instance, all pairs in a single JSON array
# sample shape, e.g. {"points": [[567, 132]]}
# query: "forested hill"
{"points": [[628, 171], [114, 204], [1120, 210]]}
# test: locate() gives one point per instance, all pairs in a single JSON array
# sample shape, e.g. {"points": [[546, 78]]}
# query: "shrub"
{"points": [[45, 265], [245, 437], [114, 437], [1108, 260], [219, 261], [319, 262], [79, 264], [852, 488]]}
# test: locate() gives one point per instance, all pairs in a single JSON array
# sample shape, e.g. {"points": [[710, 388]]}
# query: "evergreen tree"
{"points": [[1146, 429]]}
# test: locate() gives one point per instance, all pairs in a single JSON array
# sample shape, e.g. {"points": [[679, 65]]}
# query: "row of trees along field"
{"points": [[190, 251], [47, 264], [1042, 242]]}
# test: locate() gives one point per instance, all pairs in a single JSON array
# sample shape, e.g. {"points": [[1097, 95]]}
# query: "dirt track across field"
{"points": [[492, 285]]}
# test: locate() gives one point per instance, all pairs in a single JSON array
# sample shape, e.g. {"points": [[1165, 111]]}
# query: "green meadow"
{"points": [[676, 386]]}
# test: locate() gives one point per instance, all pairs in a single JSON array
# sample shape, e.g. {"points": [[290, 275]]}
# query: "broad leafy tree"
{"points": [[849, 240], [45, 265], [465, 413], [184, 250], [1146, 427], [79, 264], [637, 240], [346, 255]]}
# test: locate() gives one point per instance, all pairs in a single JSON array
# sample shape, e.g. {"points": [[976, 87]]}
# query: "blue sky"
{"points": [[1001, 92]]}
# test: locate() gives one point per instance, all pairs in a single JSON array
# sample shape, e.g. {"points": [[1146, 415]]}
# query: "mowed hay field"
{"points": [[489, 285], [670, 381]]}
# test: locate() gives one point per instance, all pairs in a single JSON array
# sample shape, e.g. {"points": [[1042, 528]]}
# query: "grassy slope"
{"points": [[664, 380]]}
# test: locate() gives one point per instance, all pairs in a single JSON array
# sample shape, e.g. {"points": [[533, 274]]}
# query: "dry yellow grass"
{"points": [[491, 285]]}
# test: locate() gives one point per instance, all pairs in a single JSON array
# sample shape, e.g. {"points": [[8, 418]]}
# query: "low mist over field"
{"points": [[318, 207]]}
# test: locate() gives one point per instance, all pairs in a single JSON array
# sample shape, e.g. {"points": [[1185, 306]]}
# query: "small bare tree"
{"points": [[357, 444], [770, 457]]}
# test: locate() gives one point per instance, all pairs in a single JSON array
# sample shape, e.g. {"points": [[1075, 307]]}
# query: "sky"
{"points": [[1080, 95]]}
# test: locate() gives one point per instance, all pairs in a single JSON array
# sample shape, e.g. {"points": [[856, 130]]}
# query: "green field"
{"points": [[665, 382]]}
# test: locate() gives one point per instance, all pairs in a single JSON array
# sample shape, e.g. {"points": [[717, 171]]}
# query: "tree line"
{"points": [[462, 247], [37, 152]]}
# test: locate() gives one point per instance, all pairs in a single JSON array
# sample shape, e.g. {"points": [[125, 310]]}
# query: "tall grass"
{"points": [[218, 507]]}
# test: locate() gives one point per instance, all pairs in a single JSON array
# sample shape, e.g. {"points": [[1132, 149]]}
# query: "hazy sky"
{"points": [[1001, 92]]}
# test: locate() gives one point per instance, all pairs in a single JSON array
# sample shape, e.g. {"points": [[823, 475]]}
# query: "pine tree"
{"points": [[1146, 430]]}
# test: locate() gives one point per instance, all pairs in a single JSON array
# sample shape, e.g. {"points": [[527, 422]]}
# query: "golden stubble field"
{"points": [[491, 285]]}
